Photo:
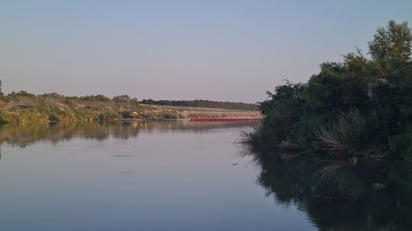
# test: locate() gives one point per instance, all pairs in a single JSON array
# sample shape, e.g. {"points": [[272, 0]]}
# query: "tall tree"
{"points": [[391, 46]]}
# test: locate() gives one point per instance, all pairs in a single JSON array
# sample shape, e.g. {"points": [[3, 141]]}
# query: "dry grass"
{"points": [[331, 145]]}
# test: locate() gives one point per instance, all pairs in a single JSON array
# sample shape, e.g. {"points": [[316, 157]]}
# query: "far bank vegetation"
{"points": [[23, 107]]}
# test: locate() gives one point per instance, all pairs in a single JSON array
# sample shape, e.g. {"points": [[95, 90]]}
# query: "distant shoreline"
{"points": [[25, 108]]}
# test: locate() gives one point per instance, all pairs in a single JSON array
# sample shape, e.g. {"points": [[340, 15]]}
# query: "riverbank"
{"points": [[349, 128], [25, 108]]}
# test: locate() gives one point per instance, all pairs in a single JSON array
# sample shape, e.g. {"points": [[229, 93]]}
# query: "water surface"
{"points": [[136, 176]]}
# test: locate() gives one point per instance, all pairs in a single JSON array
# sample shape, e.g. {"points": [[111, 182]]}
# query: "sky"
{"points": [[213, 49]]}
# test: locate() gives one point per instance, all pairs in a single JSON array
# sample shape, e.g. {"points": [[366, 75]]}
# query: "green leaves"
{"points": [[391, 46], [355, 102]]}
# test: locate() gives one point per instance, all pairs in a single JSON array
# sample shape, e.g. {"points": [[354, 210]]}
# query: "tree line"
{"points": [[202, 103], [350, 123]]}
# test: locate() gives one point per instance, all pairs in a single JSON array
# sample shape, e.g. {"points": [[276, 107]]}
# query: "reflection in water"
{"points": [[348, 199], [25, 135], [165, 176]]}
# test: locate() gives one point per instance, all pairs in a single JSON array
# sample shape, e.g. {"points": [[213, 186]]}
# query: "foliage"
{"points": [[20, 93], [99, 98], [202, 103], [27, 108], [354, 116], [391, 46]]}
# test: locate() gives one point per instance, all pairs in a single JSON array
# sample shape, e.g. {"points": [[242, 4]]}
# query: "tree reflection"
{"points": [[348, 199], [25, 135]]}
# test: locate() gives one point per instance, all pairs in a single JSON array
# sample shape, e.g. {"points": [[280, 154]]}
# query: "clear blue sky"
{"points": [[217, 50]]}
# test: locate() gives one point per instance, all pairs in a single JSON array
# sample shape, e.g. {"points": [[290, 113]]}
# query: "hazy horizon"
{"points": [[214, 50]]}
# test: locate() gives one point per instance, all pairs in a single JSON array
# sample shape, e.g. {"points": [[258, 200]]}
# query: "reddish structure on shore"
{"points": [[227, 119]]}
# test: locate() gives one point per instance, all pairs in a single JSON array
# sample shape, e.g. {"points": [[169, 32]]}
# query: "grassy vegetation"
{"points": [[23, 108]]}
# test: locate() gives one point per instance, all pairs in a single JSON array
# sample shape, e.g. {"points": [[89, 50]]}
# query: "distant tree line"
{"points": [[125, 99], [87, 98], [202, 103], [23, 107]]}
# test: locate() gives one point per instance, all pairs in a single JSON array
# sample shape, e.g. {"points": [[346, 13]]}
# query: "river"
{"points": [[136, 176]]}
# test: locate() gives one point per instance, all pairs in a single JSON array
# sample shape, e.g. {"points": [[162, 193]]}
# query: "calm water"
{"points": [[137, 176]]}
